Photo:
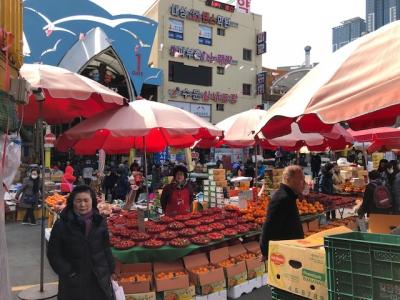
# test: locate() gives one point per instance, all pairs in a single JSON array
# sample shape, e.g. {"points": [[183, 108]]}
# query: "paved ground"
{"points": [[24, 261]]}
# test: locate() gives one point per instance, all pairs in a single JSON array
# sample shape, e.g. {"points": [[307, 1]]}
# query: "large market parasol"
{"points": [[143, 124], [382, 138], [357, 84], [67, 95]]}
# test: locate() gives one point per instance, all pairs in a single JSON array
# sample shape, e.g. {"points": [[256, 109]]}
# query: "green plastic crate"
{"points": [[277, 294], [363, 266]]}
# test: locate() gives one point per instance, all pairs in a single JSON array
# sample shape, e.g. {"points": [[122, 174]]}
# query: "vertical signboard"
{"points": [[261, 43], [243, 6], [261, 78]]}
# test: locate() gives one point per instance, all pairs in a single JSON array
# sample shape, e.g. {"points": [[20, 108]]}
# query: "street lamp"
{"points": [[47, 291]]}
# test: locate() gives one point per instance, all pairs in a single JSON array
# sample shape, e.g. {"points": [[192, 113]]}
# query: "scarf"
{"points": [[87, 220]]}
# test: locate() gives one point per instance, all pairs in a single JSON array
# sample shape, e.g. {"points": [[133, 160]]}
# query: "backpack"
{"points": [[382, 197]]}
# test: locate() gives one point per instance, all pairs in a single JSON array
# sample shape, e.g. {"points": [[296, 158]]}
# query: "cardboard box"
{"points": [[141, 296], [305, 227], [221, 183], [125, 270], [313, 225], [181, 282], [276, 172], [188, 293], [217, 172], [206, 283], [220, 177], [255, 267], [379, 223], [235, 274]]}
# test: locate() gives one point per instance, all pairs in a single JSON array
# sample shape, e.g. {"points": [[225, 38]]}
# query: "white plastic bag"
{"points": [[118, 291], [13, 157]]}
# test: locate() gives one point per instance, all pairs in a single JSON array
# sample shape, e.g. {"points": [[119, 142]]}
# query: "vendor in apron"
{"points": [[177, 197]]}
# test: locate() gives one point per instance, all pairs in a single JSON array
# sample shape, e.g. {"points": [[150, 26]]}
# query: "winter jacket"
{"points": [[283, 219], [67, 181], [27, 191], [168, 191], [84, 264], [325, 185], [368, 205], [396, 193], [315, 163]]}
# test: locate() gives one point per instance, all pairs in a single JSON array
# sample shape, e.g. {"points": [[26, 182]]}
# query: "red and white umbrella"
{"points": [[358, 84], [67, 95], [143, 124], [382, 138]]}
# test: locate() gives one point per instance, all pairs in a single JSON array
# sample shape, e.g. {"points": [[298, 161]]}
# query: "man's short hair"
{"points": [[290, 172]]}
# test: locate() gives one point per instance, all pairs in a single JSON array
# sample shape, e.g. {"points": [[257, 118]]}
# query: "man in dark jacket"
{"points": [[79, 250], [315, 164], [283, 219], [325, 186]]}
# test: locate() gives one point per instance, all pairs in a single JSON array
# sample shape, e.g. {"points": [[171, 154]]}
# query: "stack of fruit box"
{"points": [[216, 183]]}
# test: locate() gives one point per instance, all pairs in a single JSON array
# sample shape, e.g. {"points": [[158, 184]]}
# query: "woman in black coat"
{"points": [[79, 250]]}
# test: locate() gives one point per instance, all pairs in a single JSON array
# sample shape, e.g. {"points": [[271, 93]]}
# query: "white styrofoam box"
{"points": [[222, 295], [206, 193], [213, 194], [240, 289], [206, 182], [213, 188], [219, 189], [213, 183], [211, 177]]}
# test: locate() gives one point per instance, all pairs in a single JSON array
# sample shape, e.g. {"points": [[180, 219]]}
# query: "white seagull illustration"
{"points": [[50, 27], [136, 38], [51, 49], [101, 20], [153, 77]]}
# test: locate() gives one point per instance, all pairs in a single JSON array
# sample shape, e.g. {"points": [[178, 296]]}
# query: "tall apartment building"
{"points": [[208, 52], [381, 12], [348, 31]]}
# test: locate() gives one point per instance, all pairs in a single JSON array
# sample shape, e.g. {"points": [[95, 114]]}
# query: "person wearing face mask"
{"points": [[29, 195], [283, 219], [177, 197], [79, 249]]}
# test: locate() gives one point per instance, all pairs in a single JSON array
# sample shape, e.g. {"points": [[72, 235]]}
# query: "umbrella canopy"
{"points": [[336, 139], [357, 84], [156, 124], [383, 138], [68, 95], [239, 132]]}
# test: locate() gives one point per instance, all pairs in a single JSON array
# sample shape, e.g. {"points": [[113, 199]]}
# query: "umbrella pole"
{"points": [[145, 175]]}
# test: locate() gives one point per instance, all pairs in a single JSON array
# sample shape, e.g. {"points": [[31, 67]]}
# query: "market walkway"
{"points": [[24, 261]]}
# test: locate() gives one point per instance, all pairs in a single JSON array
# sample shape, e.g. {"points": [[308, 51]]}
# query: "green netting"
{"points": [[7, 112]]}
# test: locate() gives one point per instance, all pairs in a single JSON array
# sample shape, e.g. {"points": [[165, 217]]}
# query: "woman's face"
{"points": [[83, 203], [34, 174], [180, 177]]}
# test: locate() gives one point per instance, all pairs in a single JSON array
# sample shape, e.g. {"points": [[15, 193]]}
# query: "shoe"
{"points": [[25, 223], [33, 224]]}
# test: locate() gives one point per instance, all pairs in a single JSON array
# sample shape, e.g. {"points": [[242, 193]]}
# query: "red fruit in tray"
{"points": [[215, 210], [179, 243], [149, 224], [131, 224], [219, 217], [229, 222], [153, 243], [156, 229], [187, 232], [124, 244], [196, 215], [232, 214], [230, 207], [120, 220], [140, 236], [125, 232], [241, 220], [207, 212], [253, 226], [131, 215], [217, 226], [117, 230], [242, 228], [207, 220], [192, 223], [114, 240], [229, 232], [203, 229], [215, 236], [182, 218], [200, 240], [168, 235], [176, 225], [166, 219]]}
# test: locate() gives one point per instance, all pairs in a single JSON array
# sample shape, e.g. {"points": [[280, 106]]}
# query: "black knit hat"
{"points": [[180, 168], [81, 189]]}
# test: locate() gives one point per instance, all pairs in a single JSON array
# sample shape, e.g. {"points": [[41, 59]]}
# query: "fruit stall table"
{"points": [[168, 253]]}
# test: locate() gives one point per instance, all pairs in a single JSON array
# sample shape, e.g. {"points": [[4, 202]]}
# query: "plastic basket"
{"points": [[277, 294], [363, 266]]}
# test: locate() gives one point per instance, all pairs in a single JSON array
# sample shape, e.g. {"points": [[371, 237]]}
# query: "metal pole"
{"points": [[42, 235], [145, 176]]}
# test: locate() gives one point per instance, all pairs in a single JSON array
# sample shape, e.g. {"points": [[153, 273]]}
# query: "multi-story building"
{"points": [[208, 52], [381, 12], [349, 31]]}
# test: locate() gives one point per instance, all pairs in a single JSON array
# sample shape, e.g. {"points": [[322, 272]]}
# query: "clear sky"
{"points": [[290, 24]]}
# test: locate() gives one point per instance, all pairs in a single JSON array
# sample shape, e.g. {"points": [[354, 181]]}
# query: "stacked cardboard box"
{"points": [[276, 177], [214, 187]]}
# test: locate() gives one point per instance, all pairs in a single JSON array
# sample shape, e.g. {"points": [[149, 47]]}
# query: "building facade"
{"points": [[348, 31], [381, 12], [208, 52]]}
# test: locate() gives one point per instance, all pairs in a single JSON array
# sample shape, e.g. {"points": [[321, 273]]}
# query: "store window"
{"points": [[175, 30], [179, 72], [205, 35], [220, 107], [246, 89], [246, 54], [220, 70], [221, 31]]}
